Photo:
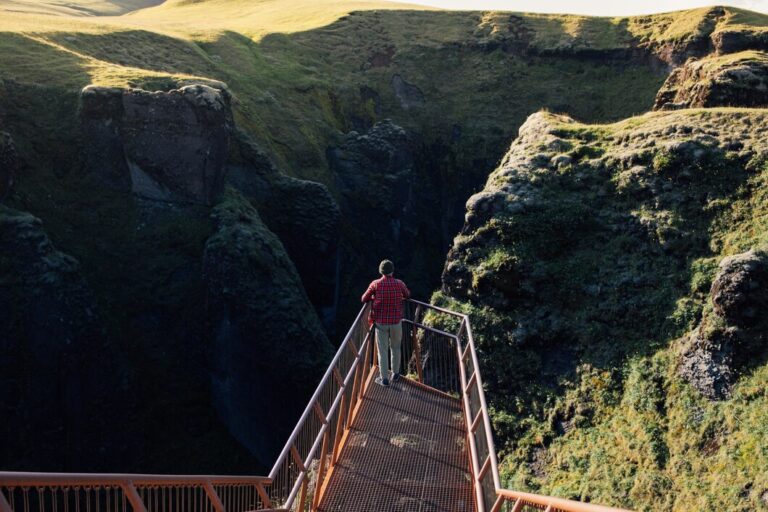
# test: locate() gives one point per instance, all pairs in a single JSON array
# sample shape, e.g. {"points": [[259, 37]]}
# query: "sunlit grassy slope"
{"points": [[76, 7], [296, 68]]}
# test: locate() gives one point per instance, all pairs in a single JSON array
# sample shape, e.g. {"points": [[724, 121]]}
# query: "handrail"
{"points": [[489, 494], [310, 405], [12, 478], [311, 451], [114, 491], [301, 472]]}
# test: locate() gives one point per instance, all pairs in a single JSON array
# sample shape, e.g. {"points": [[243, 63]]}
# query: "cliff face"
{"points": [[171, 308], [586, 262], [208, 226], [161, 146], [732, 80], [267, 345]]}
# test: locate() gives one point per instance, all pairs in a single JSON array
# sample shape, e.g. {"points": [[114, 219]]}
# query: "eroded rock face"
{"points": [[303, 215], [731, 81], [409, 95], [731, 40], [57, 368], [268, 346], [9, 164], [167, 146]]}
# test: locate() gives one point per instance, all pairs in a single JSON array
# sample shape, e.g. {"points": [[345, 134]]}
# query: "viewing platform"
{"points": [[424, 444]]}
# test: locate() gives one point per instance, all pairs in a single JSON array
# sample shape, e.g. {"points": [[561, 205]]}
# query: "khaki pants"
{"points": [[389, 337]]}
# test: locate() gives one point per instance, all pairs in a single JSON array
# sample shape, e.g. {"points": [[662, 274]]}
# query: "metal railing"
{"points": [[438, 352], [489, 494], [312, 449], [70, 492]]}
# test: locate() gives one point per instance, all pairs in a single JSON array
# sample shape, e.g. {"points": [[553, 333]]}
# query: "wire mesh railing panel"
{"points": [[438, 351], [63, 498], [62, 492]]}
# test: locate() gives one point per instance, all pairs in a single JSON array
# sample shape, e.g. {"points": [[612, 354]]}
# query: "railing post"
{"points": [[133, 497], [214, 497], [303, 495], [265, 501], [321, 471], [339, 429], [415, 343], [4, 505], [499, 503]]}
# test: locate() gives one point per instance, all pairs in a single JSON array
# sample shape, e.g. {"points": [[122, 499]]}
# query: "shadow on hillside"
{"points": [[297, 95]]}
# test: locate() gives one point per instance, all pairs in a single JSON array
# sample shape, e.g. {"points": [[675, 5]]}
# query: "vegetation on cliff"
{"points": [[586, 263], [609, 268]]}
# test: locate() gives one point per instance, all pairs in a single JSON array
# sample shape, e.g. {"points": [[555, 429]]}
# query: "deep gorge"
{"points": [[173, 246]]}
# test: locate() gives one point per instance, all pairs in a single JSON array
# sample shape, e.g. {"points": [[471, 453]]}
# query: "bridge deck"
{"points": [[406, 452]]}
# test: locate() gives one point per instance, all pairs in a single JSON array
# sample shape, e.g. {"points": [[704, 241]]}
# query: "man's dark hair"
{"points": [[386, 267]]}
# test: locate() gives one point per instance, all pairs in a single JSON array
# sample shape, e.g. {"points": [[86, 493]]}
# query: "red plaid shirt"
{"points": [[388, 295]]}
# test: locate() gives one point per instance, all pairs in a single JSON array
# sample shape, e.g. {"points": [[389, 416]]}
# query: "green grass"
{"points": [[287, 65], [581, 359]]}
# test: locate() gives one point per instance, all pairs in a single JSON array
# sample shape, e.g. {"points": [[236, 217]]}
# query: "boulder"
{"points": [[268, 347], [706, 361], [9, 164], [740, 291], [166, 146], [732, 336]]}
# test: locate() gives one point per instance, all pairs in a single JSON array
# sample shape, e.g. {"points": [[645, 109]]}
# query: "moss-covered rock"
{"points": [[267, 344], [586, 263]]}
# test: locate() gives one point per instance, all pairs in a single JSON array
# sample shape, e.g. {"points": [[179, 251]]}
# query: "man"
{"points": [[388, 295]]}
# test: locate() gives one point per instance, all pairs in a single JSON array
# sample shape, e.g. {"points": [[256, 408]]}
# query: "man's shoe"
{"points": [[395, 377], [382, 382]]}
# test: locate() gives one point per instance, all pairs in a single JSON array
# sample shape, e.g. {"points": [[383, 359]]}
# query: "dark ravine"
{"points": [[177, 235]]}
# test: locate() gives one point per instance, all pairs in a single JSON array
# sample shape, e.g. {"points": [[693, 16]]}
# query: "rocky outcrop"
{"points": [[302, 214], [706, 361], [9, 164], [268, 347], [166, 146], [381, 195], [409, 95], [740, 290], [739, 80], [734, 332], [732, 40], [527, 254], [57, 368]]}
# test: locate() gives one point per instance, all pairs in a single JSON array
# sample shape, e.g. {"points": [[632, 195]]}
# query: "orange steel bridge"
{"points": [[424, 445]]}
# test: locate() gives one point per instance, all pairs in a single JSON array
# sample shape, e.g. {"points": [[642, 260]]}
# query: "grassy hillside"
{"points": [[587, 263], [584, 284], [77, 7], [296, 70]]}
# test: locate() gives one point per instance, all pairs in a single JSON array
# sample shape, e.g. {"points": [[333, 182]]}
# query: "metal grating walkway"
{"points": [[406, 452]]}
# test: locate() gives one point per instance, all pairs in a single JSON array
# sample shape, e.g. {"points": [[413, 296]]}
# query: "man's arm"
{"points": [[405, 290], [368, 295]]}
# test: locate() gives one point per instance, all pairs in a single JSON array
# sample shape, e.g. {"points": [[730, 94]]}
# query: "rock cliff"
{"points": [[267, 345], [167, 146], [52, 331], [596, 247]]}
